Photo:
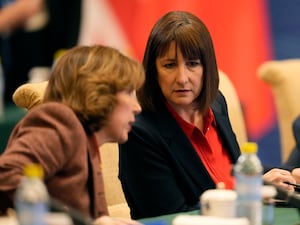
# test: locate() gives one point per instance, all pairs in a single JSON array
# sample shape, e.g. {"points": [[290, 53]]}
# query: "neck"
{"points": [[190, 115]]}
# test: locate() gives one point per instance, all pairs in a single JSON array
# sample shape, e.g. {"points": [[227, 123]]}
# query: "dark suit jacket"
{"points": [[52, 136], [294, 158], [160, 171]]}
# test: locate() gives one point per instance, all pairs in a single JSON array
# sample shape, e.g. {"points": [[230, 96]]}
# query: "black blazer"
{"points": [[294, 158], [160, 171]]}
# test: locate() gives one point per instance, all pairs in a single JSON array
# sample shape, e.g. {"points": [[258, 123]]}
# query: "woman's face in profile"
{"points": [[180, 79], [123, 116]]}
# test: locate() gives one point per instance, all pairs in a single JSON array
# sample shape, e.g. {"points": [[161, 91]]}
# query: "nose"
{"points": [[182, 75], [136, 107]]}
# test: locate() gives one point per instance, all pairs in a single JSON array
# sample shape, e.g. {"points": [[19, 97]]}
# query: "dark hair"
{"points": [[193, 39], [87, 79]]}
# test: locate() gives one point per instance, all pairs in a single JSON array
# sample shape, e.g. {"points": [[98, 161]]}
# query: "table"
{"points": [[52, 219], [283, 216]]}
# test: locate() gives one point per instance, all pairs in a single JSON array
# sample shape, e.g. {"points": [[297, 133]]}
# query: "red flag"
{"points": [[240, 32]]}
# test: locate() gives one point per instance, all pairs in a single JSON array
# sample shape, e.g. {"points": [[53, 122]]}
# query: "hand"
{"points": [[296, 175], [17, 13], [279, 176], [106, 220], [30, 7]]}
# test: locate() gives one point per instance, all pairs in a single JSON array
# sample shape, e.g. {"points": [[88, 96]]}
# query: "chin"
{"points": [[122, 140]]}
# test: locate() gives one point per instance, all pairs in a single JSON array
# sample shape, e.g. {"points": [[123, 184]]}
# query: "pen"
{"points": [[296, 186]]}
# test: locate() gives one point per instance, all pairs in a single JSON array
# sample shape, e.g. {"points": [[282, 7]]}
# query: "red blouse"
{"points": [[209, 148]]}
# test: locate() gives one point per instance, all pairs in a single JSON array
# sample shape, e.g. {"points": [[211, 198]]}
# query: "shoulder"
{"points": [[156, 125], [296, 124], [53, 115], [220, 105], [55, 110], [50, 126], [154, 120], [145, 119], [220, 98], [52, 108], [148, 124], [50, 134], [296, 131]]}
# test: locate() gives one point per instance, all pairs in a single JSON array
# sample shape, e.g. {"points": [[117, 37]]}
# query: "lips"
{"points": [[130, 125], [182, 91]]}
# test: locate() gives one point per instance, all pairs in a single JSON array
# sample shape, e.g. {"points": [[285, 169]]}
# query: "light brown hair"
{"points": [[87, 79]]}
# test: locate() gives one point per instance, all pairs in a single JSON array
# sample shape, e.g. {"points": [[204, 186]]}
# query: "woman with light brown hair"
{"points": [[90, 100]]}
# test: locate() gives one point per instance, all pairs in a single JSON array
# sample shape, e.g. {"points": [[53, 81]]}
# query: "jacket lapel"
{"points": [[225, 130], [183, 150], [187, 157]]}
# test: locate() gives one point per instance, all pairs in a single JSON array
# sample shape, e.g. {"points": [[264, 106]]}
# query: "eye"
{"points": [[170, 65], [131, 92], [193, 63]]}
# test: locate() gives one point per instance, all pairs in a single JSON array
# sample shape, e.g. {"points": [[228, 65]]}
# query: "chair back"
{"points": [[235, 111], [283, 77]]}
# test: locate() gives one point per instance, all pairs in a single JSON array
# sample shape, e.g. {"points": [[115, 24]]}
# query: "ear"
{"points": [[30, 94]]}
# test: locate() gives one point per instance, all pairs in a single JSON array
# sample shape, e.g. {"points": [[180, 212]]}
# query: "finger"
{"points": [[282, 172]]}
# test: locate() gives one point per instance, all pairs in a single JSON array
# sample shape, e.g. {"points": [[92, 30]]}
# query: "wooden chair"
{"points": [[283, 77], [235, 111]]}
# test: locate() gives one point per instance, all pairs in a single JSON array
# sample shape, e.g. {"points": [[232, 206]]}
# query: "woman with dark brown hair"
{"points": [[182, 142]]}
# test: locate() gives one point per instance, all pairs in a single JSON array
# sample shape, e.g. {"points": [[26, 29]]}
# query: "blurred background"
{"points": [[245, 34]]}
